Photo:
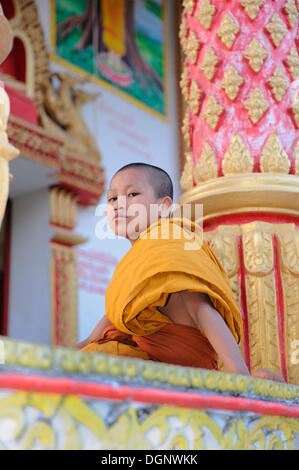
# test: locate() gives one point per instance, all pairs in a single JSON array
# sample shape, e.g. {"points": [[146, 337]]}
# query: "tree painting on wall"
{"points": [[121, 43]]}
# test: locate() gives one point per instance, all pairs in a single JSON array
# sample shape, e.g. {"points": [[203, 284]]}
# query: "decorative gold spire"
{"points": [[206, 167], [252, 7], [212, 112], [256, 105], [205, 13], [209, 63], [256, 55], [277, 29], [228, 31], [231, 82], [186, 180], [273, 158], [237, 158], [279, 83]]}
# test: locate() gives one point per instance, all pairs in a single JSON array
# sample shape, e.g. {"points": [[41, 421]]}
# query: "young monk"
{"points": [[165, 302]]}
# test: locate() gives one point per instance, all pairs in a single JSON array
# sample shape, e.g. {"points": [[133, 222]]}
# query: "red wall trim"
{"points": [[7, 243], [41, 384]]}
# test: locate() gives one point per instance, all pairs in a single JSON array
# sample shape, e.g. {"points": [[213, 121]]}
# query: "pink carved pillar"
{"points": [[241, 133]]}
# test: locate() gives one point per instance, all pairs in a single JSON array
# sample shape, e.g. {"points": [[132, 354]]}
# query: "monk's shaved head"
{"points": [[157, 178]]}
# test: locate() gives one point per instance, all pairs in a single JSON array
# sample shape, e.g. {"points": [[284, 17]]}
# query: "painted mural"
{"points": [[119, 43]]}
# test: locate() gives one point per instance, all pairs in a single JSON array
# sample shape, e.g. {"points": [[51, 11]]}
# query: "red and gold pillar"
{"points": [[242, 161], [63, 267]]}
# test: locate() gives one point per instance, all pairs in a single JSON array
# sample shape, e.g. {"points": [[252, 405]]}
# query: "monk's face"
{"points": [[132, 204]]}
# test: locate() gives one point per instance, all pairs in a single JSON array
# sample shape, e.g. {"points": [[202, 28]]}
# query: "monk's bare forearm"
{"points": [[97, 333], [222, 340]]}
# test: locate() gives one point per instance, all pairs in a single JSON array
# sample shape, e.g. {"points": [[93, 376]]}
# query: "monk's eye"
{"points": [[112, 199], [134, 194]]}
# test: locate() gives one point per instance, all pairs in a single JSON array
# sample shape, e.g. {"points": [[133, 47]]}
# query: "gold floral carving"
{"points": [[206, 167], [279, 83], [295, 108], [212, 112], [191, 48], [184, 83], [256, 55], [276, 29], [48, 421], [291, 11], [183, 33], [63, 269], [205, 13], [252, 7], [292, 61], [188, 6], [194, 97], [237, 158], [256, 105], [274, 159], [231, 82], [228, 31], [288, 247], [261, 298], [186, 179], [209, 63], [186, 129]]}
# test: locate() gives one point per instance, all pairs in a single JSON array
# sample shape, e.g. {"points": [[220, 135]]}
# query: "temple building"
{"points": [[208, 90]]}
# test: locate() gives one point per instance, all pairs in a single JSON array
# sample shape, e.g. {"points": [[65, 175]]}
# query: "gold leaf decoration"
{"points": [[184, 83], [188, 6], [291, 11], [186, 129], [212, 112], [256, 55], [279, 83], [295, 108], [206, 167], [209, 63], [231, 82], [252, 7], [191, 49], [228, 31], [256, 105], [274, 159], [186, 180], [237, 158], [183, 33], [277, 29], [292, 61], [205, 13], [194, 97]]}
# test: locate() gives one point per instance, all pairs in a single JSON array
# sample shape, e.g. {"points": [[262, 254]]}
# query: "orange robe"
{"points": [[170, 256]]}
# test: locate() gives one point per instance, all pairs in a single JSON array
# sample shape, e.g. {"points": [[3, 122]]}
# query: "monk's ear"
{"points": [[165, 206]]}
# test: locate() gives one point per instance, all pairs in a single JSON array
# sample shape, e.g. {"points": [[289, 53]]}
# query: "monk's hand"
{"points": [[267, 374]]}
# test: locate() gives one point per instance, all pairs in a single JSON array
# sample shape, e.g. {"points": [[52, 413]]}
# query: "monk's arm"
{"points": [[96, 333], [211, 323]]}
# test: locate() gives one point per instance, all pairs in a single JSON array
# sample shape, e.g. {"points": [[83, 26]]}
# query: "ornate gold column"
{"points": [[63, 266], [241, 134], [7, 151]]}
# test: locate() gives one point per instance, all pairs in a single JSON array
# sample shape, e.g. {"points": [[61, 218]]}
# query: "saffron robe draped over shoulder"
{"points": [[170, 256]]}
